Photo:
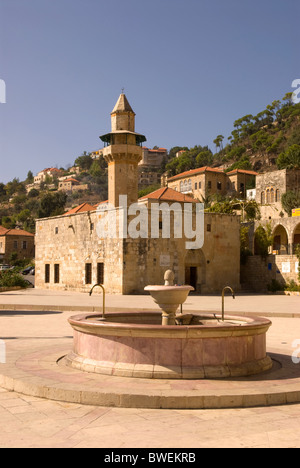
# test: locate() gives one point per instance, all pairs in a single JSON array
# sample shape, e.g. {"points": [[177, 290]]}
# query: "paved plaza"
{"points": [[33, 319]]}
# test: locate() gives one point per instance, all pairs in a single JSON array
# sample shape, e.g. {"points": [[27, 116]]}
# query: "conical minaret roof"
{"points": [[122, 105]]}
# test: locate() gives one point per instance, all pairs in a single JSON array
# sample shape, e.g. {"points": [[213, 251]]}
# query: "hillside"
{"points": [[257, 142], [23, 202]]}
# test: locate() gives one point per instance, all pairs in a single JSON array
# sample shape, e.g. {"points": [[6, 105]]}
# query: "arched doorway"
{"points": [[280, 241], [195, 269], [296, 238]]}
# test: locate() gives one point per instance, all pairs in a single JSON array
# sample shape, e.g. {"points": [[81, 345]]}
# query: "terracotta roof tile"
{"points": [[70, 180], [14, 232], [168, 194], [80, 209], [242, 171], [200, 170]]}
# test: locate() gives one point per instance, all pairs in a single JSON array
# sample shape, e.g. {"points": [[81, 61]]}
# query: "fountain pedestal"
{"points": [[169, 297]]}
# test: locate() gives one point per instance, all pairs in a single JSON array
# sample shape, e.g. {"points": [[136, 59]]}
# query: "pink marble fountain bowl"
{"points": [[136, 345]]}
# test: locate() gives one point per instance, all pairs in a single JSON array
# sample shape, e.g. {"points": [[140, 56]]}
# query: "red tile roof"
{"points": [[51, 169], [168, 194], [101, 203], [158, 150], [80, 209], [242, 171], [200, 170], [14, 232], [70, 180]]}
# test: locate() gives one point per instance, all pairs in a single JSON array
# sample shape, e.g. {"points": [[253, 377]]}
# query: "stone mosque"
{"points": [[72, 255]]}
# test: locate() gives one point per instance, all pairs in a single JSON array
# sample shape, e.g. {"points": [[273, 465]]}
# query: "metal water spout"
{"points": [[103, 304], [223, 299]]}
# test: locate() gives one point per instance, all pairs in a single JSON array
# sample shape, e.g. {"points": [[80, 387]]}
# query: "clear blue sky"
{"points": [[190, 68]]}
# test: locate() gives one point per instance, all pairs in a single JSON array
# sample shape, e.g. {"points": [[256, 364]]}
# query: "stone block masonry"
{"points": [[71, 256]]}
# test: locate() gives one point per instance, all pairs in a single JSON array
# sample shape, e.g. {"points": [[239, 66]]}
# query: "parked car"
{"points": [[28, 271], [5, 267]]}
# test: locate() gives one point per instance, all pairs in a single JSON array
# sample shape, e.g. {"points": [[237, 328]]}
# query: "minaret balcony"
{"points": [[122, 152]]}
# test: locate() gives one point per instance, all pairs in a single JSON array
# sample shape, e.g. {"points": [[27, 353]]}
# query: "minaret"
{"points": [[123, 152]]}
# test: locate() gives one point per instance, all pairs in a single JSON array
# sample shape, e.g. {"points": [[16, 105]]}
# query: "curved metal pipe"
{"points": [[103, 289], [223, 299]]}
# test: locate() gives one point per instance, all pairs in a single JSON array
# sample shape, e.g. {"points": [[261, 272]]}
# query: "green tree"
{"points": [[52, 204], [30, 178], [95, 169], [24, 216], [290, 159], [219, 143], [33, 193], [244, 239], [8, 222], [84, 161], [2, 192], [290, 200], [263, 240], [205, 158], [15, 186]]}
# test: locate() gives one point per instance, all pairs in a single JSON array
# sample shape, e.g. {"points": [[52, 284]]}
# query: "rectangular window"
{"points": [[219, 185], [88, 273], [24, 245], [209, 184], [100, 273], [47, 273], [15, 245], [56, 274], [195, 185]]}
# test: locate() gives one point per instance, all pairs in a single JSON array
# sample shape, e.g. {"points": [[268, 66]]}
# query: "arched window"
{"points": [[263, 198], [181, 186], [268, 196], [272, 196], [190, 186], [278, 196], [186, 187]]}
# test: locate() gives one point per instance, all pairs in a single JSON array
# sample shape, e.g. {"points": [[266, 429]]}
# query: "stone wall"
{"points": [[72, 242], [213, 267], [258, 272]]}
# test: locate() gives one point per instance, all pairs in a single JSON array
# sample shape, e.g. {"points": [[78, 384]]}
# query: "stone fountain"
{"points": [[169, 297], [162, 345]]}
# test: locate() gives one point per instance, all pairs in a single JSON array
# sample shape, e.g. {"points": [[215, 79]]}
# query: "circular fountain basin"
{"points": [[136, 345]]}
